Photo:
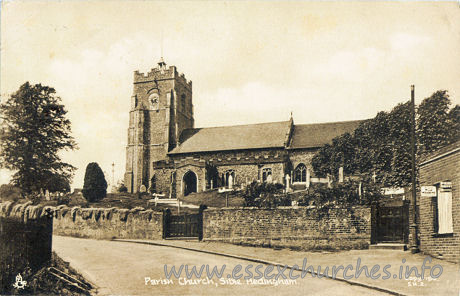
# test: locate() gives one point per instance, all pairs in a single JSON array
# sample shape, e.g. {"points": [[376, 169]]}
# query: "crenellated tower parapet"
{"points": [[161, 108], [156, 74]]}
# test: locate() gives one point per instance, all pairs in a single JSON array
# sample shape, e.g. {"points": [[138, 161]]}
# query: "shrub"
{"points": [[265, 195], [122, 188], [95, 185], [341, 194], [10, 192], [35, 198], [63, 200]]}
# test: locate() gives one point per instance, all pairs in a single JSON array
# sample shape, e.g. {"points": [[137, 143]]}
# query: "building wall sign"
{"points": [[428, 191], [445, 185]]}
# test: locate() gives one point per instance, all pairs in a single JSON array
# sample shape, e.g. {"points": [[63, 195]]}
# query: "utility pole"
{"points": [[413, 217], [113, 176]]}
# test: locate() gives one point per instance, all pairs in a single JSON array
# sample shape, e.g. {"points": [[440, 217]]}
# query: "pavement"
{"points": [[127, 268], [447, 283]]}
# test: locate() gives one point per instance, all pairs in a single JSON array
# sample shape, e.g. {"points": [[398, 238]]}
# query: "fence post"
{"points": [[406, 222], [166, 218], [374, 224], [200, 221]]}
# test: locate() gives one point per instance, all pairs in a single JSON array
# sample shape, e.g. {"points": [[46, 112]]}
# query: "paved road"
{"points": [[122, 268]]}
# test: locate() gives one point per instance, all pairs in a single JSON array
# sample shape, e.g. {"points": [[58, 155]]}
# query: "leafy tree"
{"points": [[343, 156], [400, 133], [380, 148], [381, 145], [95, 185], [321, 161], [373, 151], [10, 192], [58, 183], [434, 125], [454, 118], [34, 130]]}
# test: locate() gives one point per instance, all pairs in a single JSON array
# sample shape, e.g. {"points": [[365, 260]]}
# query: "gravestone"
{"points": [[142, 189], [269, 179], [341, 175]]}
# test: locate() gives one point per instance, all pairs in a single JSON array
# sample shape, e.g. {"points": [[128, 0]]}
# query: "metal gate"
{"points": [[391, 223], [183, 225]]}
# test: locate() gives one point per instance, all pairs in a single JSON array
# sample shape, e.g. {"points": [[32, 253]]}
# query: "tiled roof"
{"points": [[237, 137], [318, 134], [453, 147]]}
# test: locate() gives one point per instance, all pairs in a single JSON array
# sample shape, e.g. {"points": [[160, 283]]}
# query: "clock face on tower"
{"points": [[154, 101]]}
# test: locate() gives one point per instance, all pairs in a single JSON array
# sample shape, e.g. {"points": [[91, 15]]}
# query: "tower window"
{"points": [[182, 102]]}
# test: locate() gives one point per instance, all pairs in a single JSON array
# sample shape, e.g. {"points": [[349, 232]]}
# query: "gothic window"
{"points": [[266, 175], [300, 173], [154, 101], [227, 177]]}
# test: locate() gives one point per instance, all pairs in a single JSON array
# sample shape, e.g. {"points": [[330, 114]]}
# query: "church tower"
{"points": [[161, 108]]}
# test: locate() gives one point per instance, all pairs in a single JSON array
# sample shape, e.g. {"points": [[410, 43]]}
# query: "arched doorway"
{"points": [[190, 182]]}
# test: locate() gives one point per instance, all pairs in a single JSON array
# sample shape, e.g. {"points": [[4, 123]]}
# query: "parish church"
{"points": [[167, 155]]}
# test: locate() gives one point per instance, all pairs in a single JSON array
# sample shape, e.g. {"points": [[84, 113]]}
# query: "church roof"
{"points": [[261, 135], [237, 137], [318, 134]]}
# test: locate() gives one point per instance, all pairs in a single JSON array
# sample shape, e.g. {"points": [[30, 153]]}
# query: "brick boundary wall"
{"points": [[444, 168], [25, 240], [108, 223], [298, 228]]}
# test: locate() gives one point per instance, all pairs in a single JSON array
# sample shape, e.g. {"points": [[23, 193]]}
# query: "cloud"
{"points": [[96, 87], [351, 66], [406, 43]]}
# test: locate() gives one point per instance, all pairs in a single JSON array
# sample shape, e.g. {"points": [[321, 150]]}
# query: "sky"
{"points": [[250, 62]]}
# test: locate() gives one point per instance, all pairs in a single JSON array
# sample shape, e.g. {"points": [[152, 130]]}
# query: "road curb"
{"points": [[255, 260]]}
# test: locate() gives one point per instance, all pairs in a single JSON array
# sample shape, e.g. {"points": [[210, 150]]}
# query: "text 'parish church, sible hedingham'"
{"points": [[168, 155]]}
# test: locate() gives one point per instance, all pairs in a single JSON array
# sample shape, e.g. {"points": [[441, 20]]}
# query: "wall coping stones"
{"points": [[285, 208], [24, 211], [27, 211]]}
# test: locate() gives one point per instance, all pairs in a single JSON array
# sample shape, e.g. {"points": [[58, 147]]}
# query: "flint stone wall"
{"points": [[108, 223], [301, 227]]}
